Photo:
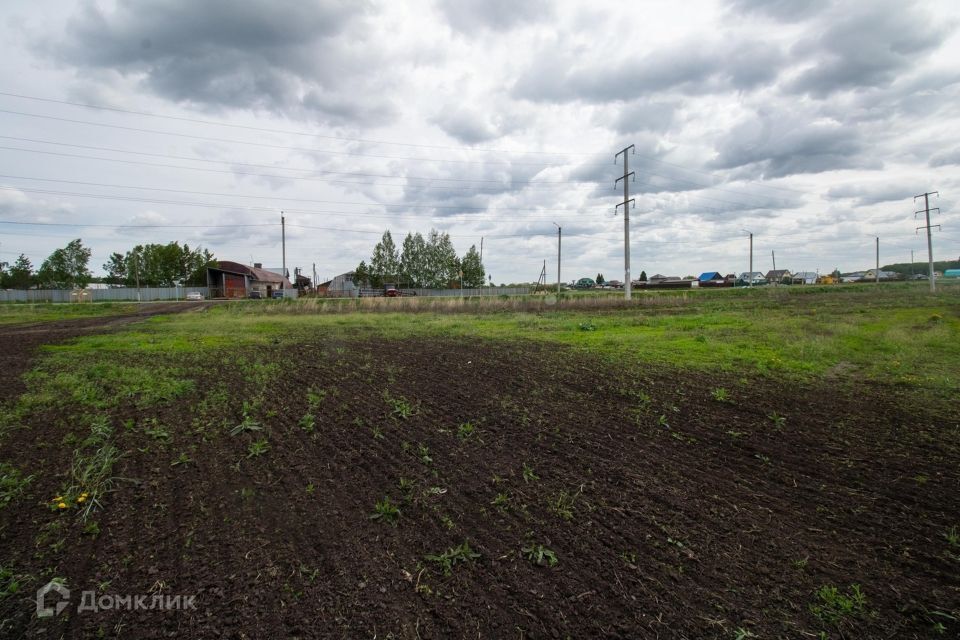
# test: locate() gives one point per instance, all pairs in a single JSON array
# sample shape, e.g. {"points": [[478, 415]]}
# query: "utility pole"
{"points": [[481, 264], [283, 241], [314, 277], [559, 232], [876, 275], [926, 209], [773, 255], [750, 273], [911, 264], [136, 272], [627, 284]]}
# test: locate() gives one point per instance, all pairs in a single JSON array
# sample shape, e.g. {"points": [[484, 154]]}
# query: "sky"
{"points": [[810, 124]]}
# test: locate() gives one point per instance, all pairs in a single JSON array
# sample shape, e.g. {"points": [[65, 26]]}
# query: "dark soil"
{"points": [[671, 514]]}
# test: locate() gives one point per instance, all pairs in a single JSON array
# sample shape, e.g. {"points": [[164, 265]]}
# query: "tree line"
{"points": [[149, 265], [428, 262]]}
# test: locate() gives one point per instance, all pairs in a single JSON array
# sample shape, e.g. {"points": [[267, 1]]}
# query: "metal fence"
{"points": [[118, 294]]}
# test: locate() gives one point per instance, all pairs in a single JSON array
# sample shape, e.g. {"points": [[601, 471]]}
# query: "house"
{"points": [[804, 277], [853, 276], [871, 275], [951, 273], [234, 280], [754, 278], [778, 276], [712, 279]]}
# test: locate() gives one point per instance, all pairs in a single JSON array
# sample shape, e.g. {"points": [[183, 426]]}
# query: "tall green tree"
{"points": [[66, 267], [166, 265], [643, 276], [116, 268], [19, 275], [385, 263], [600, 279], [473, 272], [441, 261], [361, 275], [413, 260]]}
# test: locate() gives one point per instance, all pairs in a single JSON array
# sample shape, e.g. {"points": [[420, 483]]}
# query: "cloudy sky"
{"points": [[811, 124]]}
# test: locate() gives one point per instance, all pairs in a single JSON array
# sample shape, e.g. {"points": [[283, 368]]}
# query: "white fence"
{"points": [[101, 295]]}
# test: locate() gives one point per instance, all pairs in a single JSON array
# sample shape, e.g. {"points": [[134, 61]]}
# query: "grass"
{"points": [[91, 472], [12, 483], [16, 313]]}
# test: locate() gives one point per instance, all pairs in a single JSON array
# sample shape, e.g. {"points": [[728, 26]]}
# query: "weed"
{"points": [[952, 536], [563, 504], [315, 398], [248, 424], [377, 433], [762, 458], [587, 326], [9, 584], [401, 408], [720, 394], [386, 511], [528, 474], [407, 486], [92, 528], [453, 556], [91, 472], [156, 430], [258, 448], [833, 607], [800, 564], [540, 555], [447, 521], [662, 421], [12, 483], [742, 634], [423, 452], [307, 422], [501, 501], [778, 420], [630, 557], [311, 488], [181, 459], [465, 430]]}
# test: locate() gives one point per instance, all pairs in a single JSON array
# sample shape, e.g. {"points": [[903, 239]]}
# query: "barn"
{"points": [[234, 280]]}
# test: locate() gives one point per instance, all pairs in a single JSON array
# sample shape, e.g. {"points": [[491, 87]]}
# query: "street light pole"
{"points": [[559, 235]]}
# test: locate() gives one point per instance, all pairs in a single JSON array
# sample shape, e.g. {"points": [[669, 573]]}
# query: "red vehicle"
{"points": [[391, 291]]}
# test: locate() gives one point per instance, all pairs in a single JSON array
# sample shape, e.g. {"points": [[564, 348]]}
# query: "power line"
{"points": [[449, 188], [214, 205], [286, 168], [275, 146], [271, 198], [286, 131]]}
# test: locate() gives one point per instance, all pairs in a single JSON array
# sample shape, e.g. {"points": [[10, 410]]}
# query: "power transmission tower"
{"points": [[542, 280], [283, 240], [926, 210], [627, 284]]}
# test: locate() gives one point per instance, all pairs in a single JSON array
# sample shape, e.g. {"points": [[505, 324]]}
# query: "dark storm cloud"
{"points": [[287, 56], [863, 45], [469, 16], [693, 66], [812, 147]]}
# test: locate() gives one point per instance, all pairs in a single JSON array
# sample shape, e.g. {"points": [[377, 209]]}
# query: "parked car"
{"points": [[392, 292], [194, 295], [255, 295]]}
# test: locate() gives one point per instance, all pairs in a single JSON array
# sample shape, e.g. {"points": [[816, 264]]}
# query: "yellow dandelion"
{"points": [[80, 499], [62, 505], [58, 499]]}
